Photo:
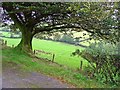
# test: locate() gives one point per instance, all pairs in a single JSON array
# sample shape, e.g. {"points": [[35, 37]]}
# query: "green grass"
{"points": [[62, 51], [25, 62], [6, 34], [62, 56], [12, 41]]}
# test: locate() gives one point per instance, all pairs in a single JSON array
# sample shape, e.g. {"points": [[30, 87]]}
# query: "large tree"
{"points": [[34, 17]]}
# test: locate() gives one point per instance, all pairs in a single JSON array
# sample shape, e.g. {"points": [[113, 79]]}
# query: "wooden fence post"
{"points": [[6, 42], [53, 57], [12, 46], [81, 63], [2, 42], [34, 51]]}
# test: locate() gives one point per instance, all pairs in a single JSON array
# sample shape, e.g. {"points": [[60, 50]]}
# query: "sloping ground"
{"points": [[22, 71], [12, 77]]}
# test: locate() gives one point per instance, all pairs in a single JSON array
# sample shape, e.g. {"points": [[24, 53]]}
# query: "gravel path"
{"points": [[13, 78]]}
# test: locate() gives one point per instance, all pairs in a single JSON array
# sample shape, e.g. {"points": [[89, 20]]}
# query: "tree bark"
{"points": [[26, 40]]}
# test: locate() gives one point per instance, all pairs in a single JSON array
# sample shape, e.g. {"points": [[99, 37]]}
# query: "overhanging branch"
{"points": [[48, 29]]}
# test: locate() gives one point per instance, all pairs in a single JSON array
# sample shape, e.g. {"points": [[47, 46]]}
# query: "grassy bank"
{"points": [[14, 57]]}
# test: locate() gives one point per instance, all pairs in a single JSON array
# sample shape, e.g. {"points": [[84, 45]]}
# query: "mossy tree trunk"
{"points": [[26, 40]]}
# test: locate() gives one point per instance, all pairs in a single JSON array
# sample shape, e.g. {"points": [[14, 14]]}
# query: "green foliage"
{"points": [[97, 18], [67, 39], [102, 18], [106, 58], [77, 52], [57, 37], [102, 48], [80, 77]]}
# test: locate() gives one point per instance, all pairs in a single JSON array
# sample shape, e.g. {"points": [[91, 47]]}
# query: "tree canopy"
{"points": [[98, 19]]}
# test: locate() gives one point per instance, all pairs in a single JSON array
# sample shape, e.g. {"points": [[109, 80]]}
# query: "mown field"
{"points": [[62, 51]]}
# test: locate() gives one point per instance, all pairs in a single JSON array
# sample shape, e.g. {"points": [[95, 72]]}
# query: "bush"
{"points": [[57, 37], [67, 39], [106, 59]]}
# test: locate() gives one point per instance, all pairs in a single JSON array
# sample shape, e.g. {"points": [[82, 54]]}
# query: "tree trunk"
{"points": [[26, 41]]}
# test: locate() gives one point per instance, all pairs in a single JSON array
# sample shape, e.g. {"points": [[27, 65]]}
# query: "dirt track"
{"points": [[13, 78]]}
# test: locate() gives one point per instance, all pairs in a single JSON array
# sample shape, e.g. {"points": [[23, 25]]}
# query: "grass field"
{"points": [[62, 51]]}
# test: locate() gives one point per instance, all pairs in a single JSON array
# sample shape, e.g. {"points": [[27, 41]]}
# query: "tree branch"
{"points": [[12, 15], [47, 28]]}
